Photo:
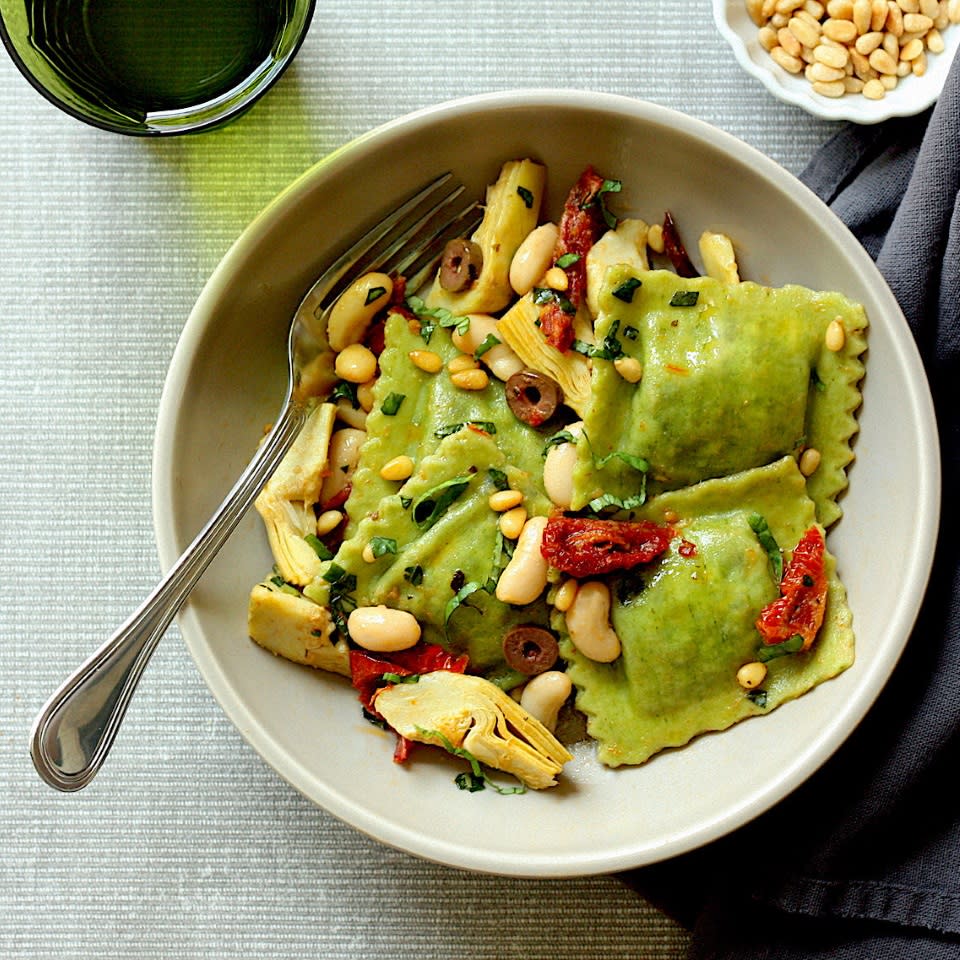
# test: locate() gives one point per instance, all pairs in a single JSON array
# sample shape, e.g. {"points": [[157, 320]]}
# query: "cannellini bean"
{"points": [[502, 362], [558, 468], [525, 576], [342, 457], [352, 313], [383, 629], [544, 695], [352, 416], [588, 623], [533, 258]]}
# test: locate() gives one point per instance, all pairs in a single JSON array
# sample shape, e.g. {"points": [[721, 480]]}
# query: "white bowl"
{"points": [[226, 381], [911, 95]]}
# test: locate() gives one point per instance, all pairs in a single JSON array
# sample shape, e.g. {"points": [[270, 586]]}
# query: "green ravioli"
{"points": [[686, 623], [734, 376]]}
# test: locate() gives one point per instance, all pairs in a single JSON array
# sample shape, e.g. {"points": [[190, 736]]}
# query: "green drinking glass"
{"points": [[153, 67]]}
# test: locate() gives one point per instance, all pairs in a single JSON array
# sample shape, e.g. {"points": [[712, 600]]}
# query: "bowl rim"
{"points": [[855, 109], [457, 854]]}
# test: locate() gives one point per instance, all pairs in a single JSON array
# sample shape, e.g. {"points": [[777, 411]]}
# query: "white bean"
{"points": [[383, 629], [357, 306], [525, 576], [544, 695], [588, 623], [558, 468], [500, 359], [533, 257], [342, 457]]}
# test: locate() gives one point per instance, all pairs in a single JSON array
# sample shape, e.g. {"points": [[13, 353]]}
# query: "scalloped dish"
{"points": [[575, 489]]}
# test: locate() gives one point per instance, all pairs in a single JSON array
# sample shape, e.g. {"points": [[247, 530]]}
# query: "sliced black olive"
{"points": [[533, 397], [460, 265], [530, 650]]}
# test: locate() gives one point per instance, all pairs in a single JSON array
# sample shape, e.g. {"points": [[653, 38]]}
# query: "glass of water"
{"points": [[153, 67]]}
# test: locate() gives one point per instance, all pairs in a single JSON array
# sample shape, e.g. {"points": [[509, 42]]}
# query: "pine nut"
{"points": [[853, 84], [805, 32], [842, 9], [783, 59], [892, 45], [470, 379], [916, 23], [565, 594], [890, 82], [869, 42], [879, 14], [399, 468], [919, 66], [809, 461], [953, 11], [843, 31], [505, 500], [328, 521], [833, 88], [894, 19], [556, 279], [835, 336], [882, 62], [367, 554], [815, 9], [511, 522], [383, 629], [463, 361], [544, 695], [426, 360], [788, 41], [629, 368], [751, 675], [655, 233], [355, 364], [862, 13], [365, 395], [908, 6], [820, 73], [835, 57], [935, 42], [874, 90], [930, 8]]}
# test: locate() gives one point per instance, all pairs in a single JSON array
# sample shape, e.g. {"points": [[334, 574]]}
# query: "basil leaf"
{"points": [[319, 547], [526, 196], [561, 436], [380, 546], [770, 651], [405, 501], [476, 771], [442, 316], [609, 186], [499, 478], [568, 260], [631, 333], [431, 505], [758, 525], [685, 298], [445, 431], [401, 677], [609, 349], [629, 503], [544, 295], [759, 697], [392, 403], [638, 463], [345, 391], [489, 342], [626, 290], [374, 293], [458, 598], [413, 575]]}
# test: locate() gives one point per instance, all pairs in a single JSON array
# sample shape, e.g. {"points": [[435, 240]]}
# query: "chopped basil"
{"points": [[380, 546], [401, 677], [629, 587], [392, 403], [561, 436], [629, 503], [608, 186], [758, 525], [544, 295], [626, 290], [405, 501], [609, 349], [568, 260], [759, 697], [319, 547], [345, 391], [815, 380], [499, 478], [526, 196], [638, 463], [477, 775], [685, 298], [431, 505], [631, 333], [445, 431], [489, 342], [458, 599], [335, 574], [341, 601], [770, 651], [374, 293], [413, 575], [441, 316]]}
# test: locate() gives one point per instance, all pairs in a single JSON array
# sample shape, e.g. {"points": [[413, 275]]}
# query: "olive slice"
{"points": [[530, 650], [460, 264], [533, 397]]}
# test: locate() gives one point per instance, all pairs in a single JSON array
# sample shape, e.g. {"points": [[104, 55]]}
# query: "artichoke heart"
{"points": [[512, 211], [625, 245], [286, 502], [477, 716]]}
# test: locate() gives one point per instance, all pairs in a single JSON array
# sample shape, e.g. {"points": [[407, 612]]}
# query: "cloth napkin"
{"points": [[863, 861]]}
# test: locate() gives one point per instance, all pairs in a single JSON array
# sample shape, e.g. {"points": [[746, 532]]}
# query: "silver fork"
{"points": [[75, 730]]}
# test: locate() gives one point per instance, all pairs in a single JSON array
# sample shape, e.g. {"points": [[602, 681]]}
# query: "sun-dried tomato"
{"points": [[584, 547], [803, 595], [674, 248], [338, 499], [367, 670], [581, 225]]}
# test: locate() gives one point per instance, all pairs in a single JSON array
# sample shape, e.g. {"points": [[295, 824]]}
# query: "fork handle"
{"points": [[75, 730]]}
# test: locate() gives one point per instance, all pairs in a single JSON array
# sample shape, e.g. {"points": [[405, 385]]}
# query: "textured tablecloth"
{"points": [[187, 845]]}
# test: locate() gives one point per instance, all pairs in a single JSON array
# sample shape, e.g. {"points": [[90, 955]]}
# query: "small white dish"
{"points": [[226, 381], [911, 95]]}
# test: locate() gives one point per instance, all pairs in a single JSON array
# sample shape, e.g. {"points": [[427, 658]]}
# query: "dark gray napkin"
{"points": [[863, 861]]}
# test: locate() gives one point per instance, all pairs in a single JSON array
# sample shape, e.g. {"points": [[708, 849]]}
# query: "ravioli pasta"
{"points": [[687, 405]]}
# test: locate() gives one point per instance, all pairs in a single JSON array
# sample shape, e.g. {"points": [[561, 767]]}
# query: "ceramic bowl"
{"points": [[911, 95], [226, 381]]}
